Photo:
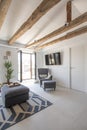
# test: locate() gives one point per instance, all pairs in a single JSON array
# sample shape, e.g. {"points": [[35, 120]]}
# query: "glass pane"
{"points": [[19, 66], [26, 66], [26, 74], [33, 66]]}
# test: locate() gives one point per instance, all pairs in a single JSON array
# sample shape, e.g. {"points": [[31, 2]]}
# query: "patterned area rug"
{"points": [[17, 113]]}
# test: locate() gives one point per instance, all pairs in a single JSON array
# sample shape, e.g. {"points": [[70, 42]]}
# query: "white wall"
{"points": [[39, 62], [61, 73], [12, 58], [85, 67]]}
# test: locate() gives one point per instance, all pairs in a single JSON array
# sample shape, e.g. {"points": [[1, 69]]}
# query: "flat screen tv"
{"points": [[57, 57], [53, 59], [47, 59]]}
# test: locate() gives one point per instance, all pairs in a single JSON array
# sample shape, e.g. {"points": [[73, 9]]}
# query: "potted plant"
{"points": [[9, 71]]}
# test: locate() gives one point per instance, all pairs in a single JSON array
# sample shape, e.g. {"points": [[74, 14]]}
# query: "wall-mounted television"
{"points": [[53, 59]]}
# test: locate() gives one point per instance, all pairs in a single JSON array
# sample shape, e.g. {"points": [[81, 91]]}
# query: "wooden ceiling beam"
{"points": [[41, 10], [69, 11], [74, 23], [69, 35], [4, 6]]}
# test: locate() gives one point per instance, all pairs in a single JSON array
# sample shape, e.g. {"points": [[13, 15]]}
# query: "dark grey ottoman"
{"points": [[49, 84], [14, 95]]}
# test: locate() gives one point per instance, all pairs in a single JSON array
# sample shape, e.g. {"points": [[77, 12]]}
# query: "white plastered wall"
{"points": [[13, 58], [61, 73]]}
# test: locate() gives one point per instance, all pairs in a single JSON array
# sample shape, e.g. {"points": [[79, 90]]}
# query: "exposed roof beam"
{"points": [[69, 11], [4, 6], [77, 21], [69, 35], [41, 10]]}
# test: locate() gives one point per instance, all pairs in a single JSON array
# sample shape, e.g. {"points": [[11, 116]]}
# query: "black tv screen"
{"points": [[57, 58], [53, 59], [46, 59]]}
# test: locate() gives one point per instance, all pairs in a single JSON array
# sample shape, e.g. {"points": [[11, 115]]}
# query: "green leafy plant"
{"points": [[9, 71]]}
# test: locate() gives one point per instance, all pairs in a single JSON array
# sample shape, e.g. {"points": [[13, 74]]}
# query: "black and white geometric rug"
{"points": [[17, 113]]}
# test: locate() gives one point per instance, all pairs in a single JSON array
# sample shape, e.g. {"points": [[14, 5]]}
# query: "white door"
{"points": [[77, 68]]}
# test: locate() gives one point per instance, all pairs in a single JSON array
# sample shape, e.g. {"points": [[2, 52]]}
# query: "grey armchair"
{"points": [[43, 74]]}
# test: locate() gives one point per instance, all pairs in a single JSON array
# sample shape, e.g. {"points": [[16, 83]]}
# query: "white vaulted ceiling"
{"points": [[20, 10]]}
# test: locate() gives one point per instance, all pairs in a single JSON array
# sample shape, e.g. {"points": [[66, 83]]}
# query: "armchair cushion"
{"points": [[48, 77], [42, 76]]}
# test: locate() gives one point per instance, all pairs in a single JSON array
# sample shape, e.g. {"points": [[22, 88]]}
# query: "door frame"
{"points": [[21, 59]]}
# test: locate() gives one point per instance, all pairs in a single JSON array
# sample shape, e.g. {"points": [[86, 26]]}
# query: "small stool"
{"points": [[14, 95], [49, 84]]}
